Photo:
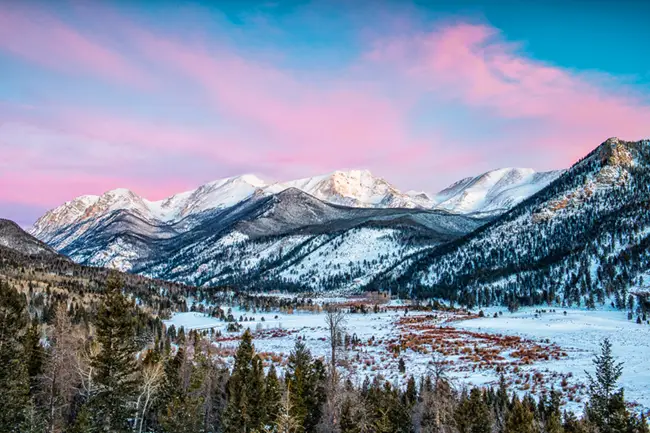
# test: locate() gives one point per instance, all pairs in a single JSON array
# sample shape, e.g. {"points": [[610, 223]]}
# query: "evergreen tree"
{"points": [[182, 415], [257, 401], [520, 419], [306, 379], [553, 414], [14, 379], [272, 396], [34, 355], [171, 386], [572, 424], [115, 364], [411, 393], [606, 408], [286, 422], [243, 413], [473, 414]]}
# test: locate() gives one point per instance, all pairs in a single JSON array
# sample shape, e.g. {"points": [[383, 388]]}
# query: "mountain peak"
{"points": [[251, 179], [494, 190], [354, 173], [119, 192]]}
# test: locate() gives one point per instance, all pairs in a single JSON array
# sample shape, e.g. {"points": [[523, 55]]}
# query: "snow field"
{"points": [[578, 335]]}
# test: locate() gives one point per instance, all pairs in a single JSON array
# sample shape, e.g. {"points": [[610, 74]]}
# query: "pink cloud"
{"points": [[43, 39], [51, 188], [472, 65], [312, 123]]}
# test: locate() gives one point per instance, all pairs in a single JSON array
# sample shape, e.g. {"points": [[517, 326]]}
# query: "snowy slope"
{"points": [[214, 195], [244, 230], [495, 191], [492, 192], [265, 238], [358, 188], [584, 239]]}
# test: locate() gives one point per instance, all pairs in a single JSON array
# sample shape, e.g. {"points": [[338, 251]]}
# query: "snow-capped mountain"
{"points": [[493, 192], [583, 239], [358, 188], [281, 238], [214, 195], [577, 236], [241, 227], [355, 188]]}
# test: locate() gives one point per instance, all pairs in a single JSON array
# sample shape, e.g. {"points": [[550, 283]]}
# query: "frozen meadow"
{"points": [[535, 350]]}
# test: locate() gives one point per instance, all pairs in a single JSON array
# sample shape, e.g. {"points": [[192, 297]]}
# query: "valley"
{"points": [[519, 298], [393, 216], [535, 349]]}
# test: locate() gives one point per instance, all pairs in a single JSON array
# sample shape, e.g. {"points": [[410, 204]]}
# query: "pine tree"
{"points": [[306, 379], [180, 400], [14, 379], [411, 393], [606, 408], [171, 386], [116, 363], [286, 422], [34, 355], [519, 419], [553, 414], [182, 415], [272, 396], [572, 424], [473, 414], [257, 402], [244, 392]]}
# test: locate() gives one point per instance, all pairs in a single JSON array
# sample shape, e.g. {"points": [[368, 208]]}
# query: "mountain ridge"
{"points": [[354, 188], [584, 239], [12, 236]]}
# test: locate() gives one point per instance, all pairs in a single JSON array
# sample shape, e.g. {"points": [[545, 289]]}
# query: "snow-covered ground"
{"points": [[580, 332], [576, 335]]}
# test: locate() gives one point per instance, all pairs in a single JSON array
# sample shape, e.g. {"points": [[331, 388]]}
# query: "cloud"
{"points": [[313, 123], [472, 65]]}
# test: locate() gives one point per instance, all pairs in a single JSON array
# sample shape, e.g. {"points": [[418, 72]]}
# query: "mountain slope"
{"points": [[15, 238], [335, 231], [582, 240], [39, 271], [262, 238], [493, 192], [357, 188]]}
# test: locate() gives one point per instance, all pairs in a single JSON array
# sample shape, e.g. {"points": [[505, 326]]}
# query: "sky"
{"points": [[160, 97]]}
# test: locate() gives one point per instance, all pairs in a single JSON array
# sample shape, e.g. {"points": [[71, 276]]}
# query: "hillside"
{"points": [[39, 270], [493, 192], [15, 238], [582, 240]]}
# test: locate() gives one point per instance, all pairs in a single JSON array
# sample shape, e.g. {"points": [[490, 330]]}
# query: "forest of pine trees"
{"points": [[125, 373], [591, 250]]}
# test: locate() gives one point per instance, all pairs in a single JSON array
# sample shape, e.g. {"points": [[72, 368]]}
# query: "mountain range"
{"points": [[490, 193], [506, 236]]}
